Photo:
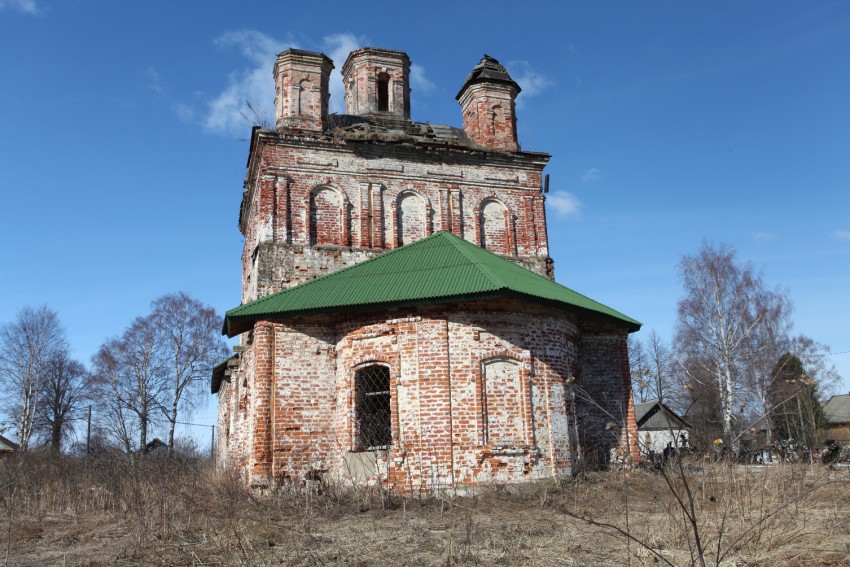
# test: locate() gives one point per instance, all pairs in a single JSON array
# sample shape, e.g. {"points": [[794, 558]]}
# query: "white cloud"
{"points": [[337, 47], [22, 6], [530, 81], [592, 174], [254, 45], [763, 236], [185, 112], [841, 234], [154, 80], [253, 84], [563, 204], [418, 80]]}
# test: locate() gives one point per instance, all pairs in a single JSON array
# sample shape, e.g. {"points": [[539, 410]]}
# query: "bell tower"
{"points": [[488, 101], [377, 81], [302, 89]]}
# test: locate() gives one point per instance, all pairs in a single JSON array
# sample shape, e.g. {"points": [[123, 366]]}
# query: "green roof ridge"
{"points": [[467, 252], [458, 242], [451, 269], [334, 273]]}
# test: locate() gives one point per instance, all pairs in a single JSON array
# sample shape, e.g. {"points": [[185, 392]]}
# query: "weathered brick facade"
{"points": [[497, 390]]}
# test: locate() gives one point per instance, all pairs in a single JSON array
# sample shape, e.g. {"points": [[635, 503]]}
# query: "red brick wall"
{"points": [[495, 391], [362, 72], [413, 217], [604, 403], [301, 90], [328, 218], [362, 201], [496, 228], [481, 392], [489, 115]]}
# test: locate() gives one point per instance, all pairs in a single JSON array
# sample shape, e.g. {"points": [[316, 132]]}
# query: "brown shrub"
{"points": [[118, 510]]}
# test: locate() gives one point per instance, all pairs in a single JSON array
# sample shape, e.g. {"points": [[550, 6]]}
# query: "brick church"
{"points": [[400, 322]]}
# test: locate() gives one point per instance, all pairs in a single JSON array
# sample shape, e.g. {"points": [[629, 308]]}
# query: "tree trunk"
{"points": [[172, 418], [56, 435], [143, 431]]}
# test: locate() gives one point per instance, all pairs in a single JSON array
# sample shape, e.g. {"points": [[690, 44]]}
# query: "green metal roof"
{"points": [[441, 268]]}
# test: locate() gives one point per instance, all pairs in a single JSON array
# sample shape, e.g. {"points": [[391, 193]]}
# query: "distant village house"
{"points": [[660, 427]]}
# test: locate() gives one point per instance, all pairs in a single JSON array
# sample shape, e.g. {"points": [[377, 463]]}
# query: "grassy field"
{"points": [[160, 511]]}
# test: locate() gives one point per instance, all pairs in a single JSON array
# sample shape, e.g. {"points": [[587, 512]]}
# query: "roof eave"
{"points": [[238, 324], [218, 373]]}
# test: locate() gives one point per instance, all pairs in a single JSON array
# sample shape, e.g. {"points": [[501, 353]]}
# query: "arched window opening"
{"points": [[383, 93], [326, 218], [501, 403], [495, 119], [373, 414], [412, 219], [305, 97], [495, 228]]}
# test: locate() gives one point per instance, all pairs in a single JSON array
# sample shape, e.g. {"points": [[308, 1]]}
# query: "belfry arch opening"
{"points": [[383, 88]]}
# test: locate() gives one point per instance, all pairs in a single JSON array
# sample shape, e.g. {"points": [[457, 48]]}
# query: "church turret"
{"points": [[487, 99], [302, 89], [377, 81]]}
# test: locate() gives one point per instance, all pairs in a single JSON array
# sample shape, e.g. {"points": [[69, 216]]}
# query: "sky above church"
{"points": [[124, 138]]}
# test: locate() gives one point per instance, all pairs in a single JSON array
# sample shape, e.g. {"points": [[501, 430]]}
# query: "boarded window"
{"points": [[411, 218], [495, 231], [502, 403], [373, 420], [326, 224]]}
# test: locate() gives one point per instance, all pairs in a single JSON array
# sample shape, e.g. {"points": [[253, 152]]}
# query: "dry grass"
{"points": [[161, 511]]}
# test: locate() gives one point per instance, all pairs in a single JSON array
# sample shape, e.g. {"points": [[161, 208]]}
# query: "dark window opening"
{"points": [[373, 413], [383, 94]]}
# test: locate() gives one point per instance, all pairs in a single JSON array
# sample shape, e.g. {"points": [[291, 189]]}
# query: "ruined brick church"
{"points": [[400, 322]]}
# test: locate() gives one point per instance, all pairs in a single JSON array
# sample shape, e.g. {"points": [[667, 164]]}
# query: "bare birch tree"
{"points": [[26, 346], [725, 308], [155, 369], [191, 343], [642, 389], [652, 370], [768, 340], [114, 415], [130, 370]]}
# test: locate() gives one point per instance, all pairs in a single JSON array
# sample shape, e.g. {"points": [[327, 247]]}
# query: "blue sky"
{"points": [[122, 151]]}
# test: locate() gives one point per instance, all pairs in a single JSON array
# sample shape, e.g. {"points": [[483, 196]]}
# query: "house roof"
{"points": [[653, 415], [837, 409], [441, 268], [7, 445]]}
